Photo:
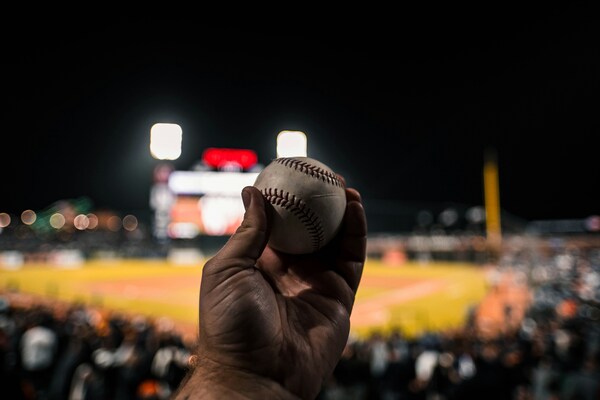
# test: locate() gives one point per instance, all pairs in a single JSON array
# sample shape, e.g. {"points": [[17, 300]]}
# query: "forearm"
{"points": [[209, 381]]}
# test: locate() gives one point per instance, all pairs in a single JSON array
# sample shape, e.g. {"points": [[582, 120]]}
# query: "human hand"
{"points": [[274, 325]]}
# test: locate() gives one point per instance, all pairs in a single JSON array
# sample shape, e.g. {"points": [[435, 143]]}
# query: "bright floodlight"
{"points": [[165, 141], [291, 144]]}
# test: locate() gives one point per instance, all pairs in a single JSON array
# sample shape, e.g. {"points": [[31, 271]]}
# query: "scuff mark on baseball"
{"points": [[309, 200]]}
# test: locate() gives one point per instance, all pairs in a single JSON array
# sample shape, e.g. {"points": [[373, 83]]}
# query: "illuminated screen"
{"points": [[207, 202]]}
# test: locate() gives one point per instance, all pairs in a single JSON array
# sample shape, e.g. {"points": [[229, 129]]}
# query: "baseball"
{"points": [[310, 202]]}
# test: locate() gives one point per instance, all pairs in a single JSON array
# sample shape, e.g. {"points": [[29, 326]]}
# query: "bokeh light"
{"points": [[448, 217], [130, 223], [57, 220], [92, 221], [4, 220], [114, 223], [28, 217], [424, 218], [592, 223], [81, 222], [475, 215]]}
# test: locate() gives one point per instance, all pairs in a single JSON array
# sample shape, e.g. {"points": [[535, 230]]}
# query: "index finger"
{"points": [[353, 241]]}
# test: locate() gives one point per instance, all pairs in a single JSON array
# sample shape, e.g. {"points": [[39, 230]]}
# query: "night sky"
{"points": [[403, 104]]}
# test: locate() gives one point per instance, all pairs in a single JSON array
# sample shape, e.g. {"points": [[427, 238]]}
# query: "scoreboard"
{"points": [[206, 201]]}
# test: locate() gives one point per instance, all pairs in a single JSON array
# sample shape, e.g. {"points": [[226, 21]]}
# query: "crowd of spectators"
{"points": [[77, 352], [49, 351], [552, 354]]}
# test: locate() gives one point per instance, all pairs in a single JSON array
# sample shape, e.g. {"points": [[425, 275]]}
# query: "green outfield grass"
{"points": [[412, 297]]}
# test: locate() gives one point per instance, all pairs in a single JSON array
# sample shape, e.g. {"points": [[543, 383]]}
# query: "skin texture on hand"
{"points": [[274, 325]]}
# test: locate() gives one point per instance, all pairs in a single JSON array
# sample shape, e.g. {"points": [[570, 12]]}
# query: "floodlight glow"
{"points": [[291, 144], [165, 141]]}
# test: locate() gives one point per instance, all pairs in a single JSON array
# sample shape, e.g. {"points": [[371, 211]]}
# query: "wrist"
{"points": [[210, 380]]}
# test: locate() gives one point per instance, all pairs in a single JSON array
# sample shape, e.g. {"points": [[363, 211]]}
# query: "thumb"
{"points": [[246, 245]]}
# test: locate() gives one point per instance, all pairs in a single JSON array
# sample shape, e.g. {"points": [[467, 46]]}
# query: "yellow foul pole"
{"points": [[492, 201]]}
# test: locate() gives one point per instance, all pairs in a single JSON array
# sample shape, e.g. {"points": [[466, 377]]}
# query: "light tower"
{"points": [[165, 145], [165, 141], [291, 144]]}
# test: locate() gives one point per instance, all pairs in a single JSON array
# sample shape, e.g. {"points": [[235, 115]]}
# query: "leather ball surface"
{"points": [[309, 200]]}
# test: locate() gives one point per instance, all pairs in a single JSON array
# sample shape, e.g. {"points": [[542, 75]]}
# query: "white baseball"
{"points": [[310, 202]]}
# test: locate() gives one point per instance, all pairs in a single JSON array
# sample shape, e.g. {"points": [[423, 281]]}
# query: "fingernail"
{"points": [[246, 198]]}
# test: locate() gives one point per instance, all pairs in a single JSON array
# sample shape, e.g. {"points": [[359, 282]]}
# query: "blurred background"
{"points": [[468, 131]]}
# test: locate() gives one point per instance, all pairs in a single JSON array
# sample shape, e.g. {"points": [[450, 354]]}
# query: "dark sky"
{"points": [[402, 103]]}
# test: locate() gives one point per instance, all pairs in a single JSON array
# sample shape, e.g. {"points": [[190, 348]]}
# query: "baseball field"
{"points": [[412, 297]]}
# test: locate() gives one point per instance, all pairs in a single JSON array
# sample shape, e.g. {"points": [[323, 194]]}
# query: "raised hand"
{"points": [[274, 325]]}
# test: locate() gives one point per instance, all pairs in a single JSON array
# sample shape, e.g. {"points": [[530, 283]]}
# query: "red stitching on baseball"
{"points": [[311, 170], [300, 209]]}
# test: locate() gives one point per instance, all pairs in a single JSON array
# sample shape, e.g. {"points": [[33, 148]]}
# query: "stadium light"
{"points": [[291, 144], [165, 141]]}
